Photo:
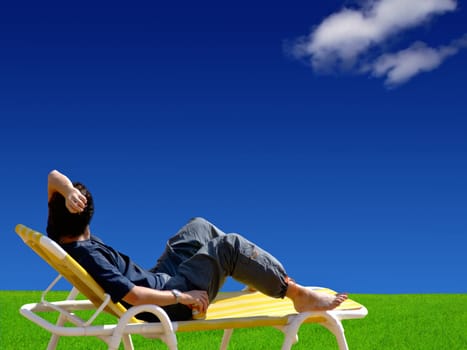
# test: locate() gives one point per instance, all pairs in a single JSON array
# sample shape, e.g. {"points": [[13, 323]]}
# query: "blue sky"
{"points": [[332, 134]]}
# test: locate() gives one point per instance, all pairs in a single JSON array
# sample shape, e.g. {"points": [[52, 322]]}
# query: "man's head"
{"points": [[62, 223]]}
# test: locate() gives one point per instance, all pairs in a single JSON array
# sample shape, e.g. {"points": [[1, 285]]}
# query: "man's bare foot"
{"points": [[305, 299]]}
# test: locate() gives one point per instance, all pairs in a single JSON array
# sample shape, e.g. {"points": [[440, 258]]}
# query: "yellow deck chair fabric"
{"points": [[229, 311]]}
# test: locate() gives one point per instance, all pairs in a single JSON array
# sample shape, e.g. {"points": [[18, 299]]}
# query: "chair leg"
{"points": [[290, 339], [127, 342], [54, 339], [226, 339], [171, 341], [291, 330], [61, 321], [334, 325]]}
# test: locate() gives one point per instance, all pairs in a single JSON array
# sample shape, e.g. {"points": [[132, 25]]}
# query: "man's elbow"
{"points": [[52, 174], [133, 297]]}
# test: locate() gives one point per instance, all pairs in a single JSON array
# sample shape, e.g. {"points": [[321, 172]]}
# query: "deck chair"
{"points": [[229, 311]]}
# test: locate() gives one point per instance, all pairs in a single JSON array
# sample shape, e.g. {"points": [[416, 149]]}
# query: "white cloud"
{"points": [[403, 65], [344, 38]]}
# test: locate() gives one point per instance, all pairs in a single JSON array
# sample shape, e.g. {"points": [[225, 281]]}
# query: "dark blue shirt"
{"points": [[115, 272]]}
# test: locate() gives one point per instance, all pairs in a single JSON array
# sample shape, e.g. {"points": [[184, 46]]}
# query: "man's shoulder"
{"points": [[91, 245], [94, 238], [90, 253]]}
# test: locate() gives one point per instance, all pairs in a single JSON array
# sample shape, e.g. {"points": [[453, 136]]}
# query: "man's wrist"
{"points": [[177, 294]]}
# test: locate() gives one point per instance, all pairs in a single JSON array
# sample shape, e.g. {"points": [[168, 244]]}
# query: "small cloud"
{"points": [[399, 67], [343, 40]]}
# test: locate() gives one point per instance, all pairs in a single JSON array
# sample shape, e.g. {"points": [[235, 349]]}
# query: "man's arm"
{"points": [[75, 201], [141, 295]]}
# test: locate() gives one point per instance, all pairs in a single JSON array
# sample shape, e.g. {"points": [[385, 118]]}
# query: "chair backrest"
{"points": [[68, 267]]}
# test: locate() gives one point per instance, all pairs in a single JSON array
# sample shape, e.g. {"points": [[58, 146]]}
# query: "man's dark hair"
{"points": [[62, 223]]}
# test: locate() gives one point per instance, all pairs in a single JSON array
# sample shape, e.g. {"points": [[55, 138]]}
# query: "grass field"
{"points": [[428, 322]]}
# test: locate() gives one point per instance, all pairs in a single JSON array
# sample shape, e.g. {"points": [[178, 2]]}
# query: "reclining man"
{"points": [[187, 276]]}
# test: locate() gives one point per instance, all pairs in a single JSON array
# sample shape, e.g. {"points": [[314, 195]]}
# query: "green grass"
{"points": [[436, 322]]}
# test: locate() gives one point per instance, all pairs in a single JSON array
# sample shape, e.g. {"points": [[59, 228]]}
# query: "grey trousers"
{"points": [[201, 256]]}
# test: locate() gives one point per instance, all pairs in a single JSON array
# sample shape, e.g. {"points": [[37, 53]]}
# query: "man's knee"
{"points": [[199, 224], [198, 220]]}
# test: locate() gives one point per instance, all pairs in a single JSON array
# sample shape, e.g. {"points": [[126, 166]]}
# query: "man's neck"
{"points": [[83, 237]]}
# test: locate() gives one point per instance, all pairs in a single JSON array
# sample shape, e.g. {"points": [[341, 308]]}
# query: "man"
{"points": [[188, 275]]}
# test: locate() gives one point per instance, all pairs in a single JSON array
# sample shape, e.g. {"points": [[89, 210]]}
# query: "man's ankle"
{"points": [[293, 289]]}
